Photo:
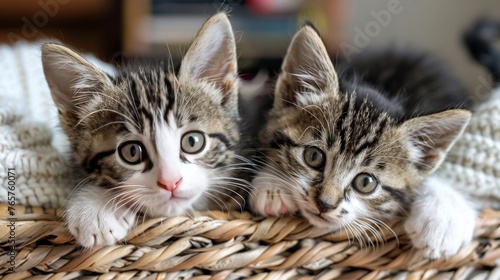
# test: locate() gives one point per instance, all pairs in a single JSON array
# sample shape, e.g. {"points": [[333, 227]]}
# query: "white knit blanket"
{"points": [[473, 164], [32, 143]]}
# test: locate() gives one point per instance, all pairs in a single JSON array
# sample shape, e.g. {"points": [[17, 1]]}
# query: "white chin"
{"points": [[169, 207], [167, 211]]}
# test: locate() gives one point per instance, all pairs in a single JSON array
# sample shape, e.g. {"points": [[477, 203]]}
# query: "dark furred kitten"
{"points": [[148, 140], [347, 150]]}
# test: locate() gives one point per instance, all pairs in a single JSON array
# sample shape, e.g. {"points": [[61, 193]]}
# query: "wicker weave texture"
{"points": [[215, 245]]}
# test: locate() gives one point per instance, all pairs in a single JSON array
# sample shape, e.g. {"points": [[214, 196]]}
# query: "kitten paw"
{"points": [[100, 228], [442, 242], [95, 219], [271, 201], [440, 231]]}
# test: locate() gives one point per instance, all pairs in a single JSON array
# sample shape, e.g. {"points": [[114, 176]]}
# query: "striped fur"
{"points": [[149, 108], [362, 128]]}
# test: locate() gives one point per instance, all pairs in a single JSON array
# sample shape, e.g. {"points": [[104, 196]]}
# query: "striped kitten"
{"points": [[352, 150], [148, 140]]}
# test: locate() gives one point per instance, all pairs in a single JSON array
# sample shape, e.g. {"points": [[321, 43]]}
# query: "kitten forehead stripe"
{"points": [[133, 91], [375, 138], [147, 116], [170, 98], [339, 125]]}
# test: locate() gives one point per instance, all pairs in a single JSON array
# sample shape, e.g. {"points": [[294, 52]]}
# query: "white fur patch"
{"points": [[95, 219], [441, 220]]}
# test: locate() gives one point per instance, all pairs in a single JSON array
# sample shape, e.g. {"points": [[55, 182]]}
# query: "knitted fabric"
{"points": [[31, 143], [40, 171], [473, 164]]}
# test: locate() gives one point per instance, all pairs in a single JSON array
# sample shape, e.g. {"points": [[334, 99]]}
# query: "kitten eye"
{"points": [[192, 142], [365, 183], [314, 157], [132, 152]]}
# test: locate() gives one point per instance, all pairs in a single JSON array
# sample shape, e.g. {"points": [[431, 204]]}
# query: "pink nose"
{"points": [[170, 185]]}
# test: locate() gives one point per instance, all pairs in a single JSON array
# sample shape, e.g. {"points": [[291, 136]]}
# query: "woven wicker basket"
{"points": [[215, 245]]}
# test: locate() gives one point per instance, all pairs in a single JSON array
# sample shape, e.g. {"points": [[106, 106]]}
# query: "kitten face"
{"points": [[338, 157], [341, 167], [164, 158], [156, 139]]}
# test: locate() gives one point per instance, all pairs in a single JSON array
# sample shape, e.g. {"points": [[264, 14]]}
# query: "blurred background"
{"points": [[114, 29]]}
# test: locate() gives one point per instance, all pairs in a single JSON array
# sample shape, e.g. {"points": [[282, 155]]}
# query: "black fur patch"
{"points": [[339, 125], [94, 163], [281, 140], [374, 141], [170, 97], [222, 138], [381, 166], [396, 194]]}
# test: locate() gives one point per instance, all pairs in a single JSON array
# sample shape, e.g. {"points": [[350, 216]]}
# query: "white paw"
{"points": [[440, 224], [101, 228], [94, 220], [268, 200]]}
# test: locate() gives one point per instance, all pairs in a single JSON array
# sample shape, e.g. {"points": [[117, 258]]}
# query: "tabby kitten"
{"points": [[345, 151], [149, 140]]}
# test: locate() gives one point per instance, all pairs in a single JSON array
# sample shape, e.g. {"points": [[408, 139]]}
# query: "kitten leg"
{"points": [[441, 220], [94, 219], [269, 200]]}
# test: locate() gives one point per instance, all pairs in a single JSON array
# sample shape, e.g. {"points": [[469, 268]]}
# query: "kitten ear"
{"points": [[307, 71], [67, 74], [433, 135], [212, 57]]}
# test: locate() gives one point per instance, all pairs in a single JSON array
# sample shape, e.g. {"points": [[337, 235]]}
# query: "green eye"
{"points": [[314, 157], [365, 183], [132, 152], [192, 142]]}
